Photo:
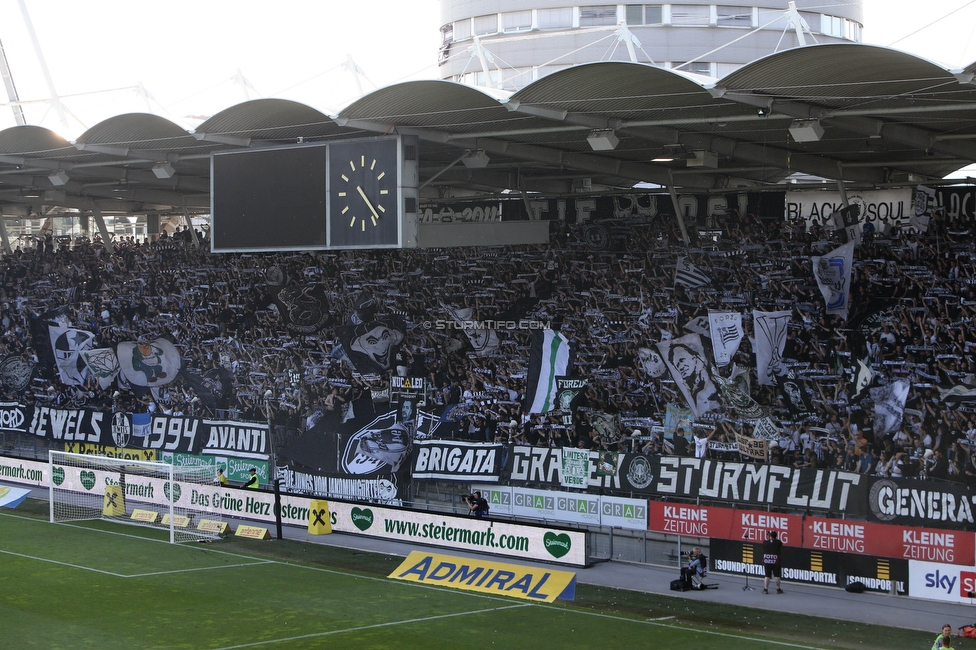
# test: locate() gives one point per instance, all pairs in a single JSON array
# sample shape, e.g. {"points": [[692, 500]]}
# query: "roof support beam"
{"points": [[862, 125], [634, 171], [653, 131]]}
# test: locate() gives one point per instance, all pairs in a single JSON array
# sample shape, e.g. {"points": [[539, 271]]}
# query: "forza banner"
{"points": [[456, 461], [744, 483]]}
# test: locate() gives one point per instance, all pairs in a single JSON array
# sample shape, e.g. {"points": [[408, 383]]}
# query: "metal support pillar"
{"points": [[3, 235], [677, 211], [102, 229]]}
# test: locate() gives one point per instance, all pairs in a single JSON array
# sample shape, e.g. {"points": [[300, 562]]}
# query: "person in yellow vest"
{"points": [[252, 481], [940, 641], [221, 480]]}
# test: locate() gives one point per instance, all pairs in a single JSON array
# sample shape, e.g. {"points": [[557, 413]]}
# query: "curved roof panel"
{"points": [[33, 141], [138, 130], [272, 119], [828, 76], [442, 105], [624, 90]]}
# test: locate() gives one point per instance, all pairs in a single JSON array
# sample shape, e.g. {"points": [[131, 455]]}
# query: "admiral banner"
{"points": [[495, 578], [543, 466], [788, 487], [813, 567], [457, 461]]}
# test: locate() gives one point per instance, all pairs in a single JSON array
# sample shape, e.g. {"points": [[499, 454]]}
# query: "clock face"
{"points": [[363, 194]]}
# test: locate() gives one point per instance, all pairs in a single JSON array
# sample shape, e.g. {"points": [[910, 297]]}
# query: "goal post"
{"points": [[143, 493]]}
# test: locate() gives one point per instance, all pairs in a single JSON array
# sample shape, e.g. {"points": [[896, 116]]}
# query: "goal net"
{"points": [[142, 493]]}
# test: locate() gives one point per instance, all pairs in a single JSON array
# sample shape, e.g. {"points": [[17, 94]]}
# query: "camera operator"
{"points": [[477, 505], [696, 566]]}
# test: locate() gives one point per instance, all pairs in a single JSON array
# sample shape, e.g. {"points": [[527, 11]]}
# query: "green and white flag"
{"points": [[548, 358]]}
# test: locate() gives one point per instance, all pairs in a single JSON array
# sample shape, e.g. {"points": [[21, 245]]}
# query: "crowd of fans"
{"points": [[912, 300]]}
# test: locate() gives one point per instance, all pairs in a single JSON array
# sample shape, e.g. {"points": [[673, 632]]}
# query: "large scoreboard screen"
{"points": [[350, 194]]}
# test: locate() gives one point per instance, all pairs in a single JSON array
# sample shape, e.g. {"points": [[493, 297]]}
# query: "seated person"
{"points": [[697, 566]]}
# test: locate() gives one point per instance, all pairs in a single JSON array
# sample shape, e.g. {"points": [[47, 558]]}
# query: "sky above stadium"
{"points": [[186, 55]]}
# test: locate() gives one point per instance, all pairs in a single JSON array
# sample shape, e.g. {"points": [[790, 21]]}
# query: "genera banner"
{"points": [[921, 503], [459, 461], [765, 485], [813, 567]]}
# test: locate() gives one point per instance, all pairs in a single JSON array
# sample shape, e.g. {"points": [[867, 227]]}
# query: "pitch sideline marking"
{"points": [[371, 627], [202, 568], [67, 564]]}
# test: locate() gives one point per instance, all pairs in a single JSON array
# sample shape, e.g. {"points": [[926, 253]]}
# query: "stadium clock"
{"points": [[363, 194]]}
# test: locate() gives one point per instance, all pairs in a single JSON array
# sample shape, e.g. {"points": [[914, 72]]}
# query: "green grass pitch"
{"points": [[100, 585]]}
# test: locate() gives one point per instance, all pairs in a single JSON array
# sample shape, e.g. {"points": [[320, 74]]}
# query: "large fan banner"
{"points": [[151, 363], [687, 362], [483, 340], [68, 344], [372, 346], [889, 407]]}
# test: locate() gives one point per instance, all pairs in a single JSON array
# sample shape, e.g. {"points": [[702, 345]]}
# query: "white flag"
{"points": [[726, 335], [833, 274], [691, 372], [67, 344], [770, 327], [889, 406], [484, 341], [924, 205]]}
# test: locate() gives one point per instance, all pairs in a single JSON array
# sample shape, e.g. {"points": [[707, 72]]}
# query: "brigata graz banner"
{"points": [[788, 487], [550, 467], [455, 460], [812, 567]]}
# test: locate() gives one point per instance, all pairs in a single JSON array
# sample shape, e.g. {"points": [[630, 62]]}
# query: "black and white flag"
{"points": [[889, 406], [726, 335], [770, 332], [833, 274], [688, 364], [689, 275]]}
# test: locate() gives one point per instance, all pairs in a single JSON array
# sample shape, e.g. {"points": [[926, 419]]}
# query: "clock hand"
{"points": [[371, 208]]}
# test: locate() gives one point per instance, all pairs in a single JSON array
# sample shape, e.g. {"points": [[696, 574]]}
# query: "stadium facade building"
{"points": [[519, 41]]}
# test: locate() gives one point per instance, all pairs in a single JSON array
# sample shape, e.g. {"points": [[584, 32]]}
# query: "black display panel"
{"points": [[271, 199]]}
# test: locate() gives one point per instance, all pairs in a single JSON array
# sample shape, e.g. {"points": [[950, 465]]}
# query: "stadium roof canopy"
{"points": [[870, 116]]}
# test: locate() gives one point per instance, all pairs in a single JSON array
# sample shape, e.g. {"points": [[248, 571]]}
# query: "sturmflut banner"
{"points": [[674, 476]]}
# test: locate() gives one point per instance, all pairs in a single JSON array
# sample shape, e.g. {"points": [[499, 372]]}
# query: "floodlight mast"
{"points": [[55, 99], [8, 82]]}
